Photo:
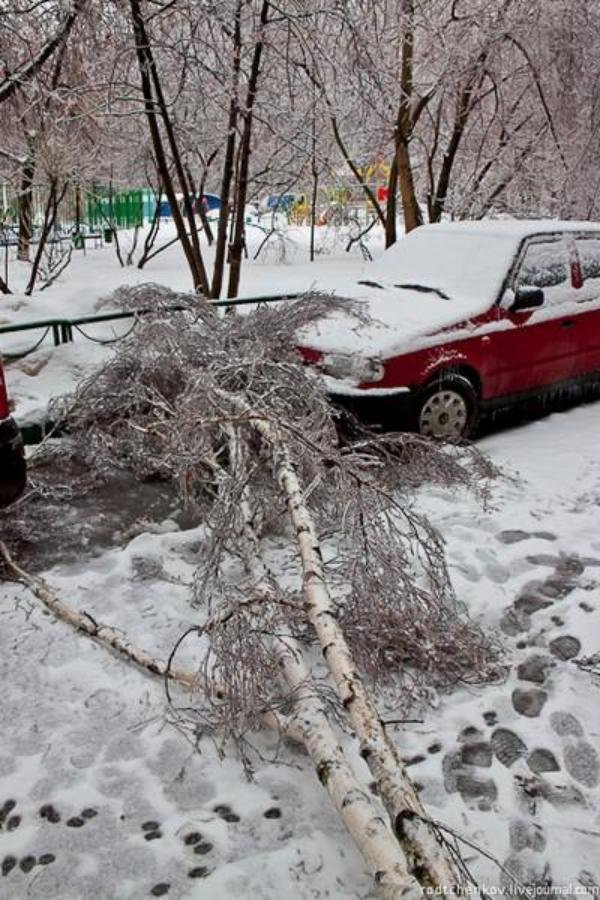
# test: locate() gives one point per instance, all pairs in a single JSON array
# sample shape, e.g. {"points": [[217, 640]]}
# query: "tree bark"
{"points": [[149, 77], [371, 834], [229, 159], [50, 212], [25, 205], [391, 206], [405, 125], [237, 244], [152, 231], [465, 104], [4, 288], [314, 171], [410, 204], [197, 195]]}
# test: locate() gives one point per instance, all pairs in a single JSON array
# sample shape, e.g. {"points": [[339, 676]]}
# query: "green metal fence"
{"points": [[121, 209]]}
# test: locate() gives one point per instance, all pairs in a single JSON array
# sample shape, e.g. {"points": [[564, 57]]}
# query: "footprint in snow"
{"points": [[523, 869], [542, 760], [539, 594], [531, 789], [515, 536], [526, 835], [535, 669], [507, 746], [226, 813], [526, 842], [580, 757], [492, 568], [565, 647], [529, 702], [512, 536], [461, 770]]}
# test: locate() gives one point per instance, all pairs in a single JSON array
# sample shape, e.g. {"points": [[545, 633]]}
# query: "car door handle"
{"points": [[567, 323]]}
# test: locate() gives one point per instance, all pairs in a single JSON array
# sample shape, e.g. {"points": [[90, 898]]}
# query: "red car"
{"points": [[463, 317], [12, 457]]}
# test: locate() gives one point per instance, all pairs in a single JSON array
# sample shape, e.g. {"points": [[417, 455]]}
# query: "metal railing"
{"points": [[63, 329]]}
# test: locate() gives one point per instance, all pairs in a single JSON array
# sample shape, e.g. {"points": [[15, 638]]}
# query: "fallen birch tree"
{"points": [[223, 408], [309, 726]]}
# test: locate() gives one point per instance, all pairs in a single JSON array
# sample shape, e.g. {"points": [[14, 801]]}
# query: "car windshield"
{"points": [[446, 262]]}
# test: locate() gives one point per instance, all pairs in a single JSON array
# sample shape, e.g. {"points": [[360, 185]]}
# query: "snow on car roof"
{"points": [[518, 228]]}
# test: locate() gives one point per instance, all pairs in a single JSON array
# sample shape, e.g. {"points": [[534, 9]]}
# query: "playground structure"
{"points": [[342, 203]]}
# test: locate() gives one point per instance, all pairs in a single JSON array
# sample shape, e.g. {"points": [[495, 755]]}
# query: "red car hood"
{"points": [[398, 321]]}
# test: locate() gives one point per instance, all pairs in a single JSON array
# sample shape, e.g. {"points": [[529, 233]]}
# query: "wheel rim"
{"points": [[444, 414]]}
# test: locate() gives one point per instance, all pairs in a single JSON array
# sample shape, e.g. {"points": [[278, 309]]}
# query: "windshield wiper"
{"points": [[371, 284], [423, 289]]}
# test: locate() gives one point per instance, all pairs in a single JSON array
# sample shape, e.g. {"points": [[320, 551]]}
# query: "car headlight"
{"points": [[358, 368]]}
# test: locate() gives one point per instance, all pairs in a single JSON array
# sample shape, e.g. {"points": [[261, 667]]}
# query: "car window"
{"points": [[588, 250], [546, 265]]}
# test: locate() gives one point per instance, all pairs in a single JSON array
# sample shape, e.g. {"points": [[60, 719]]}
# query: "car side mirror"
{"points": [[527, 298]]}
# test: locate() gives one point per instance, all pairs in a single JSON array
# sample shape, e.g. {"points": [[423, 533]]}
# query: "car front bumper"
{"points": [[13, 469], [381, 409]]}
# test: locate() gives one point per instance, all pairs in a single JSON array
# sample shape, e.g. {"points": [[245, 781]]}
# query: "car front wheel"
{"points": [[447, 409]]}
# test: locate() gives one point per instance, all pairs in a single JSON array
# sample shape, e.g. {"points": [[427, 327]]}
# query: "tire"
{"points": [[447, 409], [13, 469]]}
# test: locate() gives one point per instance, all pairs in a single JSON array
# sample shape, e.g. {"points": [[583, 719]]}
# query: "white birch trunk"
{"points": [[103, 634], [368, 828], [425, 853], [359, 811], [119, 642]]}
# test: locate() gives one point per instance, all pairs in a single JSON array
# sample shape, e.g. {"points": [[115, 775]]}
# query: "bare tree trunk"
{"points": [[153, 231], [405, 124], [391, 206], [133, 248], [315, 176], [149, 77], [198, 199], [410, 204], [78, 212], [465, 105], [229, 160], [50, 212], [238, 243], [111, 220], [25, 204]]}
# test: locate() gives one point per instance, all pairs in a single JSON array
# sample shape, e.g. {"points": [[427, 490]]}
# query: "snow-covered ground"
{"points": [[102, 797]]}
